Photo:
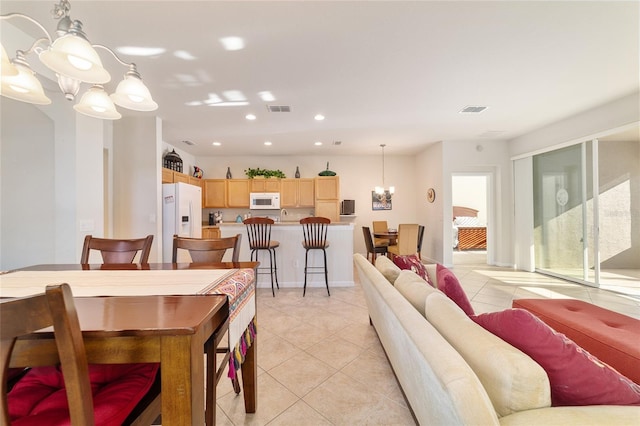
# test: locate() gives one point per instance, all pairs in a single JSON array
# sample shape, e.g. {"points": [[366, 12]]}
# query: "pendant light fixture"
{"points": [[75, 61], [381, 191]]}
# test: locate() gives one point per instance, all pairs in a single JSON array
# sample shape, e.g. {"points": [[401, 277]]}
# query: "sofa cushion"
{"points": [[513, 380], [412, 263], [449, 285], [40, 397], [414, 289], [387, 268], [432, 273], [576, 377]]}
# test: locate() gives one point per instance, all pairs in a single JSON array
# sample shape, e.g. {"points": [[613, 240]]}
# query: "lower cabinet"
{"points": [[212, 232]]}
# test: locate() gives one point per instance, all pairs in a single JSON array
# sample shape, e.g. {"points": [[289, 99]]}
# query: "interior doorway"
{"points": [[471, 219]]}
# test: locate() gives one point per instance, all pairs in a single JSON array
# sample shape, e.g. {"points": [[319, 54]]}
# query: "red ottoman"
{"points": [[609, 336]]}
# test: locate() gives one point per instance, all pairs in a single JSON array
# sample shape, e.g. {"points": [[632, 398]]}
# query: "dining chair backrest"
{"points": [[259, 232], [26, 315], [207, 250], [420, 238], [380, 226], [407, 238], [117, 250], [368, 240], [314, 230]]}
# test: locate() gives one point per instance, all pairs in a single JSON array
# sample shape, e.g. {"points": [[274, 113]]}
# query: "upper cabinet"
{"points": [[171, 176], [297, 193], [264, 185], [215, 193], [327, 188], [238, 193]]}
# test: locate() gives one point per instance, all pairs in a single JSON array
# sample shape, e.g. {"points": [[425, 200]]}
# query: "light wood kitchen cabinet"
{"points": [[238, 193], [167, 175], [214, 193], [212, 232], [327, 202], [327, 188], [195, 181], [297, 193], [265, 185], [180, 177]]}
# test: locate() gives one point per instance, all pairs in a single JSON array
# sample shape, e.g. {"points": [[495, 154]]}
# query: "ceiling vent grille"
{"points": [[472, 109], [188, 143], [279, 108], [337, 143]]}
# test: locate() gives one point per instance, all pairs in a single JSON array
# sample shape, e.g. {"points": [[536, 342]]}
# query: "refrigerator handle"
{"points": [[191, 219]]}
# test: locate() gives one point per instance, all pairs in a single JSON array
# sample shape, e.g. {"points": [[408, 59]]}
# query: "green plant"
{"points": [[251, 173]]}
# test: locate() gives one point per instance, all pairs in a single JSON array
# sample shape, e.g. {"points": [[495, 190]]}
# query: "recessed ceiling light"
{"points": [[232, 43], [318, 143], [267, 143], [140, 51], [250, 117], [216, 143], [319, 117], [266, 96], [183, 54]]}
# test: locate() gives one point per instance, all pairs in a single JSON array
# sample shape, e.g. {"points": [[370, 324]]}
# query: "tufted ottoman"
{"points": [[609, 336]]}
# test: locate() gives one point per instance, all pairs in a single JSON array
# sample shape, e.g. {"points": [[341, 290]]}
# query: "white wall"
{"points": [[429, 174]]}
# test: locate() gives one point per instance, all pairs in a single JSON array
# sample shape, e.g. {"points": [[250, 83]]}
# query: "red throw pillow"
{"points": [[576, 376], [449, 285], [411, 262]]}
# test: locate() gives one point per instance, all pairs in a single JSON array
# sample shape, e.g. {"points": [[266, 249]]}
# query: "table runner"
{"points": [[116, 282]]}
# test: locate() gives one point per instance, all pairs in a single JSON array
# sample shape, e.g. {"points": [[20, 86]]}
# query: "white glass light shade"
{"points": [[96, 103], [24, 87], [392, 189], [131, 93], [379, 190], [73, 56], [6, 67]]}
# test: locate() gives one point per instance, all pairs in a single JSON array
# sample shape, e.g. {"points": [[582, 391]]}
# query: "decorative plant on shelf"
{"points": [[252, 173]]}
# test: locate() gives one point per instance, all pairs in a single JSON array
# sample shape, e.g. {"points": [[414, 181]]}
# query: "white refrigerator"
{"points": [[181, 215]]}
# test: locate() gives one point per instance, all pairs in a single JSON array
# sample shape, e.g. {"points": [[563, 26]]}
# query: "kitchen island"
{"points": [[290, 254]]}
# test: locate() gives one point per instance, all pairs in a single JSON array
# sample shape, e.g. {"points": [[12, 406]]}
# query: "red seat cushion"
{"points": [[40, 398], [612, 337]]}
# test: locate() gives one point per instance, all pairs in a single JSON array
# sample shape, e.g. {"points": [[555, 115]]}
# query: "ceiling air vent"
{"points": [[472, 109], [337, 143], [279, 108], [188, 143]]}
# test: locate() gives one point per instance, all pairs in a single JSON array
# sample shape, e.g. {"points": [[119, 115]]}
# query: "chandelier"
{"points": [[74, 60], [384, 194]]}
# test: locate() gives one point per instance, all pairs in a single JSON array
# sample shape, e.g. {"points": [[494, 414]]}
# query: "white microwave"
{"points": [[264, 201]]}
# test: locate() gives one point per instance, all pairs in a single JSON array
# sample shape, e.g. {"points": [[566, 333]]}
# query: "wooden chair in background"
{"points": [[207, 250], [380, 226], [372, 249], [117, 250], [420, 238], [314, 230], [407, 240]]}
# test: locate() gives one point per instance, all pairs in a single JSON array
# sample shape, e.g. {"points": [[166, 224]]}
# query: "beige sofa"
{"points": [[452, 371]]}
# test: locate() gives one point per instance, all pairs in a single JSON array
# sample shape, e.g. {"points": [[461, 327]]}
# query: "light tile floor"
{"points": [[321, 363]]}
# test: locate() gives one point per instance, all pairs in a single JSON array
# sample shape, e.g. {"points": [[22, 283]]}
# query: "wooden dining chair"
{"points": [[407, 240], [420, 238], [380, 226], [372, 249], [42, 385], [314, 230], [117, 250], [207, 250]]}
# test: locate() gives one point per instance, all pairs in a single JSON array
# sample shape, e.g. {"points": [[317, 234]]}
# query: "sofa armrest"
{"points": [[618, 415]]}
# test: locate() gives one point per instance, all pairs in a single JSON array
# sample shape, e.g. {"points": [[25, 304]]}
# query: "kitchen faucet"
{"points": [[283, 212]]}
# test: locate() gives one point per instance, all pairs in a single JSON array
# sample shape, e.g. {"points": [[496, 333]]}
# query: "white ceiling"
{"points": [[389, 72]]}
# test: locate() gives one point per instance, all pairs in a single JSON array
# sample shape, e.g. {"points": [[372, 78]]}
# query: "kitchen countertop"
{"points": [[284, 223]]}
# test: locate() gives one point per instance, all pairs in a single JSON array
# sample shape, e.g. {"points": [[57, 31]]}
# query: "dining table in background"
{"points": [[391, 236], [146, 290]]}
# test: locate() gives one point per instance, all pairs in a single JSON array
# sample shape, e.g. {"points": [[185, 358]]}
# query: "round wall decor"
{"points": [[431, 195]]}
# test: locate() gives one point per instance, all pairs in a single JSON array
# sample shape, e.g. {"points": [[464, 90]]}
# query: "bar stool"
{"points": [[314, 230], [259, 233]]}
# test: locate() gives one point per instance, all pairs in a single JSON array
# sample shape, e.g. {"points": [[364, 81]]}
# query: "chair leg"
{"points": [[306, 255], [271, 271], [326, 272], [275, 267]]}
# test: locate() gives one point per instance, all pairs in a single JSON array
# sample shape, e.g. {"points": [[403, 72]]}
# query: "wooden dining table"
{"points": [[391, 236], [126, 328]]}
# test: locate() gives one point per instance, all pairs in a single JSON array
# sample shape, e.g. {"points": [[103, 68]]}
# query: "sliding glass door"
{"points": [[564, 237]]}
